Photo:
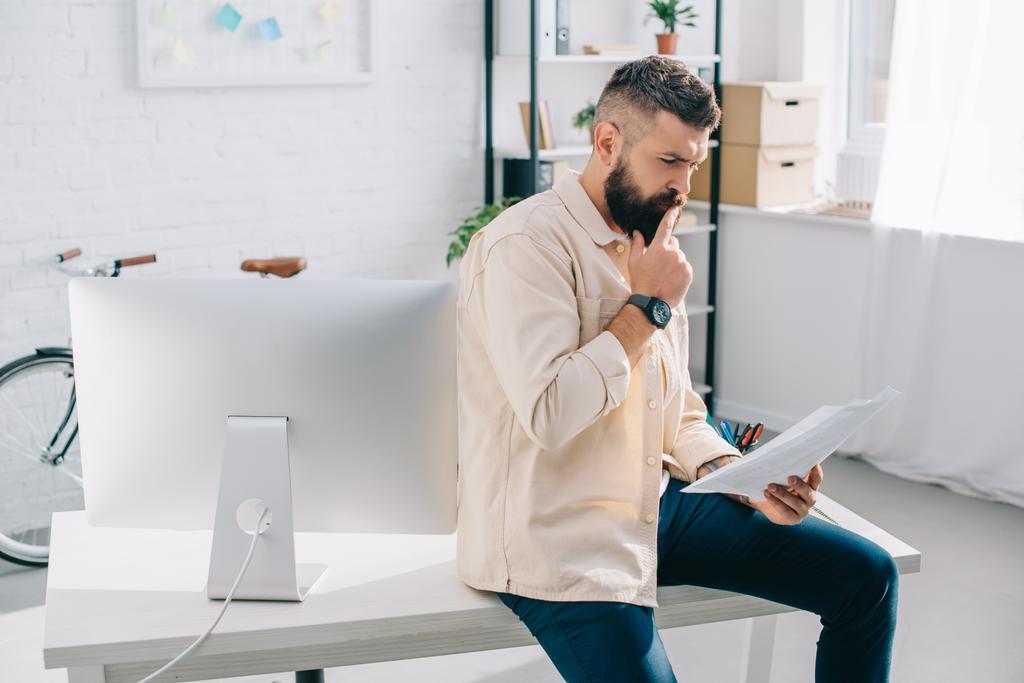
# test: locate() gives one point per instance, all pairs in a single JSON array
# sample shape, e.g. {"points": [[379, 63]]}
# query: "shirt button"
{"points": [[649, 518], [652, 404], [651, 460], [619, 248]]}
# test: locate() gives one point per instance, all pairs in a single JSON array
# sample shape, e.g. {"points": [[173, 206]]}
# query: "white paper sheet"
{"points": [[794, 451]]}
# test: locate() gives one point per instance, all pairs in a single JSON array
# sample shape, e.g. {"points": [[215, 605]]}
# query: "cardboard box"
{"points": [[760, 176], [770, 113]]}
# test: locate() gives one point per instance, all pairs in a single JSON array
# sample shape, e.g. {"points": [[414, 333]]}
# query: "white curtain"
{"points": [[944, 318]]}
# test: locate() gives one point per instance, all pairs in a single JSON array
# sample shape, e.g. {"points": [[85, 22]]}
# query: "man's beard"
{"points": [[629, 209]]}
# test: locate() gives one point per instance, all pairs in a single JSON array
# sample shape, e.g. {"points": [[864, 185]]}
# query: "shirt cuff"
{"points": [[700, 447], [605, 351]]}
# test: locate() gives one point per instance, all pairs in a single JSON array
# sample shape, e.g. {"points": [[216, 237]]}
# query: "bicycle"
{"points": [[39, 426]]}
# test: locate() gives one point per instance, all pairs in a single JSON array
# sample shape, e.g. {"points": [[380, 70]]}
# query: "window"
{"points": [[870, 47]]}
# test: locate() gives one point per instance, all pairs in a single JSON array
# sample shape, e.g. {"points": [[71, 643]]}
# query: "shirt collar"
{"points": [[578, 202]]}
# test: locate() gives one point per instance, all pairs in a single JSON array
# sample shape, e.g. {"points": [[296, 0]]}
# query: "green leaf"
{"points": [[472, 224], [584, 118]]}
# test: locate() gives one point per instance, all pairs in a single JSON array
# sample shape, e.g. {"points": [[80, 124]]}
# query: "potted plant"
{"points": [[471, 224], [669, 13], [584, 118]]}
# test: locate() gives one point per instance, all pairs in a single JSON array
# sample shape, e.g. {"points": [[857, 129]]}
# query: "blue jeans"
{"points": [[713, 541]]}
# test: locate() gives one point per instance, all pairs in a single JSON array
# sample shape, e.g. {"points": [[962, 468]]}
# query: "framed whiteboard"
{"points": [[190, 43]]}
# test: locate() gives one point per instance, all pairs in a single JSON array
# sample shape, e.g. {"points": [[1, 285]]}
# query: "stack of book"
{"points": [[612, 49], [545, 133]]}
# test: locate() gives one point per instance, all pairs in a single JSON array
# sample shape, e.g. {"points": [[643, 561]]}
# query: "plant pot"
{"points": [[667, 43]]}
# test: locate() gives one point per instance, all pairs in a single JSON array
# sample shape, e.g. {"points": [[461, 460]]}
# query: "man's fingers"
{"points": [[794, 501], [780, 507], [802, 489], [668, 223], [815, 476], [636, 248]]}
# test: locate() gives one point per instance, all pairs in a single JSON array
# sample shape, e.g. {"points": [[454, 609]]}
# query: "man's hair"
{"points": [[638, 90]]}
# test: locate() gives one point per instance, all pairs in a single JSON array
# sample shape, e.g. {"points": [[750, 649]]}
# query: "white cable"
{"points": [[231, 594]]}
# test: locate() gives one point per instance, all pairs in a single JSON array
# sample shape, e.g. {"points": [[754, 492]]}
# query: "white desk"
{"points": [[122, 602]]}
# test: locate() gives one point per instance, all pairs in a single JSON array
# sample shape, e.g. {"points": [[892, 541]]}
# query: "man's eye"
{"points": [[669, 161]]}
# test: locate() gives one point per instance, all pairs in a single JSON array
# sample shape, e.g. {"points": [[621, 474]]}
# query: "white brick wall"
{"points": [[365, 181]]}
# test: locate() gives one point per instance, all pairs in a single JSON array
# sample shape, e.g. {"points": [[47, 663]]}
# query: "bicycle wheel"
{"points": [[40, 463]]}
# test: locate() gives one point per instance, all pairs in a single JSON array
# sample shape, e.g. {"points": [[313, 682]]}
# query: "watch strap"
{"points": [[641, 300], [712, 465], [645, 303]]}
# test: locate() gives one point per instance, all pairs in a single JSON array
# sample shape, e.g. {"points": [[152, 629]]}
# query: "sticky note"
{"points": [[182, 53], [314, 53], [228, 17], [330, 13], [169, 13], [269, 29]]}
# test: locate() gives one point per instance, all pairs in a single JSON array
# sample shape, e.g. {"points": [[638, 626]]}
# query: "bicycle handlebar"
{"points": [[109, 269], [68, 255], [135, 260]]}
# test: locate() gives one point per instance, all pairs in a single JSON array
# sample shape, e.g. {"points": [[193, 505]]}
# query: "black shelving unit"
{"points": [[710, 309]]}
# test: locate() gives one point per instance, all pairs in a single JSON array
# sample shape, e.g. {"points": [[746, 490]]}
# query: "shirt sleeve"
{"points": [[697, 442], [523, 304]]}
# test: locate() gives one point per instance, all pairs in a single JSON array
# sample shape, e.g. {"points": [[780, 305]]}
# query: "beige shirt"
{"points": [[561, 444]]}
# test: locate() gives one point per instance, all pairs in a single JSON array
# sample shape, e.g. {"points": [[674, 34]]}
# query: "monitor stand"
{"points": [[255, 475]]}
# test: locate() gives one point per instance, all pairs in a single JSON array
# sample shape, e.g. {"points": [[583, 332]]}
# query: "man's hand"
{"points": [[661, 269], [789, 505]]}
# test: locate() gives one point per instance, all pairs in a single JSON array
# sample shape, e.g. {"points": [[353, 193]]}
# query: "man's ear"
{"points": [[607, 142]]}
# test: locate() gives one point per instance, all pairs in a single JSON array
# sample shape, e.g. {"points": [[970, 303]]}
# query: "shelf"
{"points": [[564, 152], [689, 60], [705, 66], [567, 152], [791, 212], [698, 309], [706, 227]]}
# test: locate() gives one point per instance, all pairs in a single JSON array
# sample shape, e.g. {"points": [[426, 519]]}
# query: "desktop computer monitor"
{"points": [[352, 382]]}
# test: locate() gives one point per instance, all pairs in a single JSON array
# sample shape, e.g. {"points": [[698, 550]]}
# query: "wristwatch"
{"points": [[658, 312], [712, 465]]}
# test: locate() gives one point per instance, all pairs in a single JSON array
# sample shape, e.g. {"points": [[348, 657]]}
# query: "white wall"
{"points": [[362, 180], [750, 40], [813, 46], [794, 310], [792, 303]]}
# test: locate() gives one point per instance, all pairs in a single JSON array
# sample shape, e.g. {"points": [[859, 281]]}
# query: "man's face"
{"points": [[654, 175]]}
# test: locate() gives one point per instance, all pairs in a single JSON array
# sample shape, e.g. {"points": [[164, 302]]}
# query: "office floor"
{"points": [[960, 619]]}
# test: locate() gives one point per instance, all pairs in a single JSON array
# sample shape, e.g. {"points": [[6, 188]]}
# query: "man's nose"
{"points": [[681, 185]]}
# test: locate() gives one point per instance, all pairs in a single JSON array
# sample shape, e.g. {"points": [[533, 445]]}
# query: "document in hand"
{"points": [[794, 451]]}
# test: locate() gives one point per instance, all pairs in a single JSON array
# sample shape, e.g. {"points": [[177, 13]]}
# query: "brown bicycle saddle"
{"points": [[283, 266]]}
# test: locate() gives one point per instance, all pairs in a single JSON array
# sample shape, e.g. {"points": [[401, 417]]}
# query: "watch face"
{"points": [[661, 312]]}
